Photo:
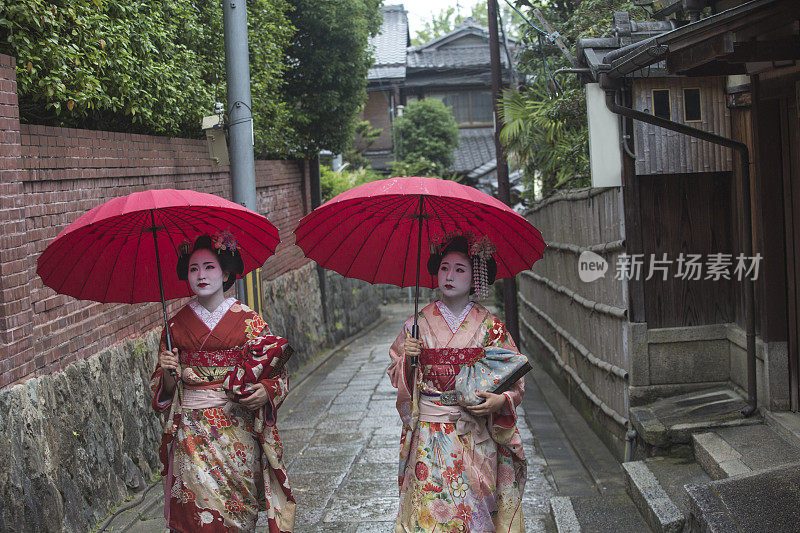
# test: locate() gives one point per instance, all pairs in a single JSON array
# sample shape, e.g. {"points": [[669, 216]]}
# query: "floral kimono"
{"points": [[457, 472], [222, 462]]}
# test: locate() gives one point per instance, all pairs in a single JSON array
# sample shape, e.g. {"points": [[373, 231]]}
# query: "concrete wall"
{"points": [[672, 361]]}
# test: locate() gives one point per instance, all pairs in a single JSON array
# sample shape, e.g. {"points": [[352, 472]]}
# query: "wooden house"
{"points": [[655, 356], [453, 68], [384, 82]]}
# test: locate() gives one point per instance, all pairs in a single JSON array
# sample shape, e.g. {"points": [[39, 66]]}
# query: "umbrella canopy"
{"points": [[371, 232], [109, 254]]}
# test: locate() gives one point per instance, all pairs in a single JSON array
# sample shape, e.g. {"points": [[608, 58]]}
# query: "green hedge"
{"points": [[141, 66]]}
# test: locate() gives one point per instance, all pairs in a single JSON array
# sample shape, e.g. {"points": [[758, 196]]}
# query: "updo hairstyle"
{"points": [[460, 244], [229, 261]]}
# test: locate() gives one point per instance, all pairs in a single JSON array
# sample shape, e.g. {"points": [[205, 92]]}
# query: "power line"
{"points": [[531, 24]]}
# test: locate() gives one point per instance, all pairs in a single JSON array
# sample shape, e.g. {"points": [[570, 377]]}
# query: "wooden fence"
{"points": [[573, 325]]}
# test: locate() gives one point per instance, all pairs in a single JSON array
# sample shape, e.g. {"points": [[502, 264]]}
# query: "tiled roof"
{"points": [[475, 148], [389, 46], [386, 72], [445, 52], [593, 50], [452, 57]]}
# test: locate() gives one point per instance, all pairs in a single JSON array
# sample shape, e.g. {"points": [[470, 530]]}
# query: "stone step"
{"points": [[786, 424], [763, 500], [673, 474], [656, 486], [563, 515], [610, 513], [653, 502], [668, 423], [728, 452]]}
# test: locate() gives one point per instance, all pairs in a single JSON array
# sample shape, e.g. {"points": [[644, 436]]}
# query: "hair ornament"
{"points": [[184, 248], [437, 244], [482, 249], [224, 240]]}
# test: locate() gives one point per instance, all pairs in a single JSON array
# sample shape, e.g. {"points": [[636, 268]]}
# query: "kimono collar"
{"points": [[211, 318], [453, 321]]}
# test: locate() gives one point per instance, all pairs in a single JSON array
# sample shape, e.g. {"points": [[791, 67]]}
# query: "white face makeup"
{"points": [[205, 274], [455, 275]]}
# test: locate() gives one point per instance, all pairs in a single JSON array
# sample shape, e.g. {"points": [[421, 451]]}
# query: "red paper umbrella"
{"points": [[377, 232], [371, 232], [113, 252], [117, 251]]}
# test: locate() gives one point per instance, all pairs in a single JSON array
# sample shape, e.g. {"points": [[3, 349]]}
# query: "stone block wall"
{"points": [[76, 442]]}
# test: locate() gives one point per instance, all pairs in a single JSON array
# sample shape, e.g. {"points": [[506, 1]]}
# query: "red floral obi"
{"points": [[440, 366], [230, 357]]}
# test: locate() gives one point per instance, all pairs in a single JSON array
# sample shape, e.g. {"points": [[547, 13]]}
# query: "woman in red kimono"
{"points": [[461, 469], [222, 459]]}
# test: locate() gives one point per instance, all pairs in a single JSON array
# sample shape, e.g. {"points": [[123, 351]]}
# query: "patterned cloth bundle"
{"points": [[496, 372], [264, 358]]}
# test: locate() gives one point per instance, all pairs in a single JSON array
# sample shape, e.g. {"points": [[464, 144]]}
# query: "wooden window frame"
{"points": [[700, 105], [669, 101], [471, 124]]}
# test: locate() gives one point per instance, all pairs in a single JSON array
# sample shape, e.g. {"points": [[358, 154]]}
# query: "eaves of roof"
{"points": [[655, 49]]}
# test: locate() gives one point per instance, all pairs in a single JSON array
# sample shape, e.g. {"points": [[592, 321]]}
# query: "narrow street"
{"points": [[341, 436], [341, 431]]}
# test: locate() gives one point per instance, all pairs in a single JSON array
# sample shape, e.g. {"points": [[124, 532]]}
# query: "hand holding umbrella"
{"points": [[117, 251]]}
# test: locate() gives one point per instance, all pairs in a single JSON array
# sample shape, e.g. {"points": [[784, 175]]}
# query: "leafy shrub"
{"points": [[425, 137], [147, 66], [333, 183]]}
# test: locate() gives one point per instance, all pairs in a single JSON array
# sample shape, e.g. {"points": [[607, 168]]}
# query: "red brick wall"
{"points": [[50, 176]]}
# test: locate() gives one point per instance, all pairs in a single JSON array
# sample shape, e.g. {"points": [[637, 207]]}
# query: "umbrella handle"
{"points": [[172, 372], [415, 327], [415, 334]]}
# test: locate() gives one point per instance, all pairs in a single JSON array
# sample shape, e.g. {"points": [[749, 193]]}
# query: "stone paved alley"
{"points": [[341, 433]]}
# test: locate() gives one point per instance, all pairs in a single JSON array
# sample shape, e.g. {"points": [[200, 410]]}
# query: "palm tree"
{"points": [[548, 136]]}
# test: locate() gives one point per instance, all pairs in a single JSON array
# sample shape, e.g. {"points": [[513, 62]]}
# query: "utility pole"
{"points": [[503, 186], [240, 128]]}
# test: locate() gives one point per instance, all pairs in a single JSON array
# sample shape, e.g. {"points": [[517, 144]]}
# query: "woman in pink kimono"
{"points": [[222, 458], [461, 469]]}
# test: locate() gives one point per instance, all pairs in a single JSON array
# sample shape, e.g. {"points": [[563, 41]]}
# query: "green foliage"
{"points": [[546, 129], [420, 167], [327, 64], [425, 138], [447, 20], [149, 66], [333, 183], [548, 137], [365, 136]]}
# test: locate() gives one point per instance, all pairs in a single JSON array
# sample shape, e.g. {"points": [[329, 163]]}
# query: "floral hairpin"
{"points": [[224, 240], [438, 244], [483, 249]]}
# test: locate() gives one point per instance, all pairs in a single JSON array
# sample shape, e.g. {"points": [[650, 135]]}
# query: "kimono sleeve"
{"points": [[497, 336], [161, 400], [277, 387], [400, 375]]}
